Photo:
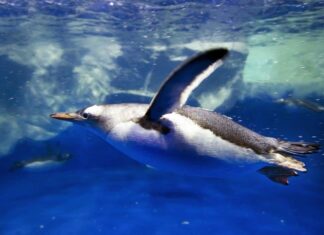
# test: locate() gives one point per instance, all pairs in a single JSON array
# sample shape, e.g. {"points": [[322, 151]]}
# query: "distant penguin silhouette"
{"points": [[40, 163], [167, 135], [302, 103]]}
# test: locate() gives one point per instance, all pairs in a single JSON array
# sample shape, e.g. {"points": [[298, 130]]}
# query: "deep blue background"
{"points": [[102, 191]]}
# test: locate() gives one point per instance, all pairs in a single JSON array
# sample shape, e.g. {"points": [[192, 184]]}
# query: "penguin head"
{"points": [[93, 117]]}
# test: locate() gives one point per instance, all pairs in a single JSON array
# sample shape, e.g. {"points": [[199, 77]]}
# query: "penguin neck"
{"points": [[114, 115]]}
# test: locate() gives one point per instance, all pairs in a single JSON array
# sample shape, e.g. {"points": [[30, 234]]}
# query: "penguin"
{"points": [[41, 163], [169, 135], [315, 107]]}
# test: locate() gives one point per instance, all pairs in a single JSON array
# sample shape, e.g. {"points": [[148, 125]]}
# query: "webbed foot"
{"points": [[278, 174]]}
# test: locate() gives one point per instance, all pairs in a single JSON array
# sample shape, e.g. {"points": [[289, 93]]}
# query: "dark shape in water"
{"points": [[302, 103], [278, 174], [41, 162]]}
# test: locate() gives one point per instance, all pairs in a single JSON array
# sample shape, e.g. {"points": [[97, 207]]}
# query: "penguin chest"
{"points": [[186, 145]]}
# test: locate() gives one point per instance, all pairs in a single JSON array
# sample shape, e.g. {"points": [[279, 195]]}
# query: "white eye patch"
{"points": [[95, 110]]}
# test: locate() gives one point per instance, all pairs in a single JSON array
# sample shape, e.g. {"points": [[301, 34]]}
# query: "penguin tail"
{"points": [[283, 164], [297, 148]]}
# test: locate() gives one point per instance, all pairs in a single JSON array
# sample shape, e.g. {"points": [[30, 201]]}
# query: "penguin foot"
{"points": [[278, 174]]}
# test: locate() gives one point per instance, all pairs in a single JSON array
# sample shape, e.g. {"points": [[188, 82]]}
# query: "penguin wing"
{"points": [[177, 87]]}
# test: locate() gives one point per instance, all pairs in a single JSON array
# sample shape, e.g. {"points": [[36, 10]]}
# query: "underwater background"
{"points": [[59, 55]]}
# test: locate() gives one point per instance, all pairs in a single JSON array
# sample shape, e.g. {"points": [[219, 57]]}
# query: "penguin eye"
{"points": [[85, 115]]}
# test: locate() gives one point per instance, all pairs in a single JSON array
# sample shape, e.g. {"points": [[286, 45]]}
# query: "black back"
{"points": [[227, 129]]}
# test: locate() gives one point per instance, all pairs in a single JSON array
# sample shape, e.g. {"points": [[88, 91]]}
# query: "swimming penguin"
{"points": [[41, 163], [168, 135], [315, 107]]}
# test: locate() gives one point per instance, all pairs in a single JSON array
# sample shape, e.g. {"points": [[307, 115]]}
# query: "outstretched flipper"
{"points": [[182, 81], [278, 174]]}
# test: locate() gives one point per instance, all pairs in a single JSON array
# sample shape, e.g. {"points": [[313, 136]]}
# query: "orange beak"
{"points": [[67, 116]]}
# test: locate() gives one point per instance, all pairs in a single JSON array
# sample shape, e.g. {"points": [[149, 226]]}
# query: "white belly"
{"points": [[186, 149]]}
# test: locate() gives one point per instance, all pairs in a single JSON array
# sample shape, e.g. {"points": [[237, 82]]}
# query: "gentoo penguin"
{"points": [[170, 136], [302, 103], [41, 163]]}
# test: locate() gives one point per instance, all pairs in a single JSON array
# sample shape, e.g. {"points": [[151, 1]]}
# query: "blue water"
{"points": [[65, 55]]}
